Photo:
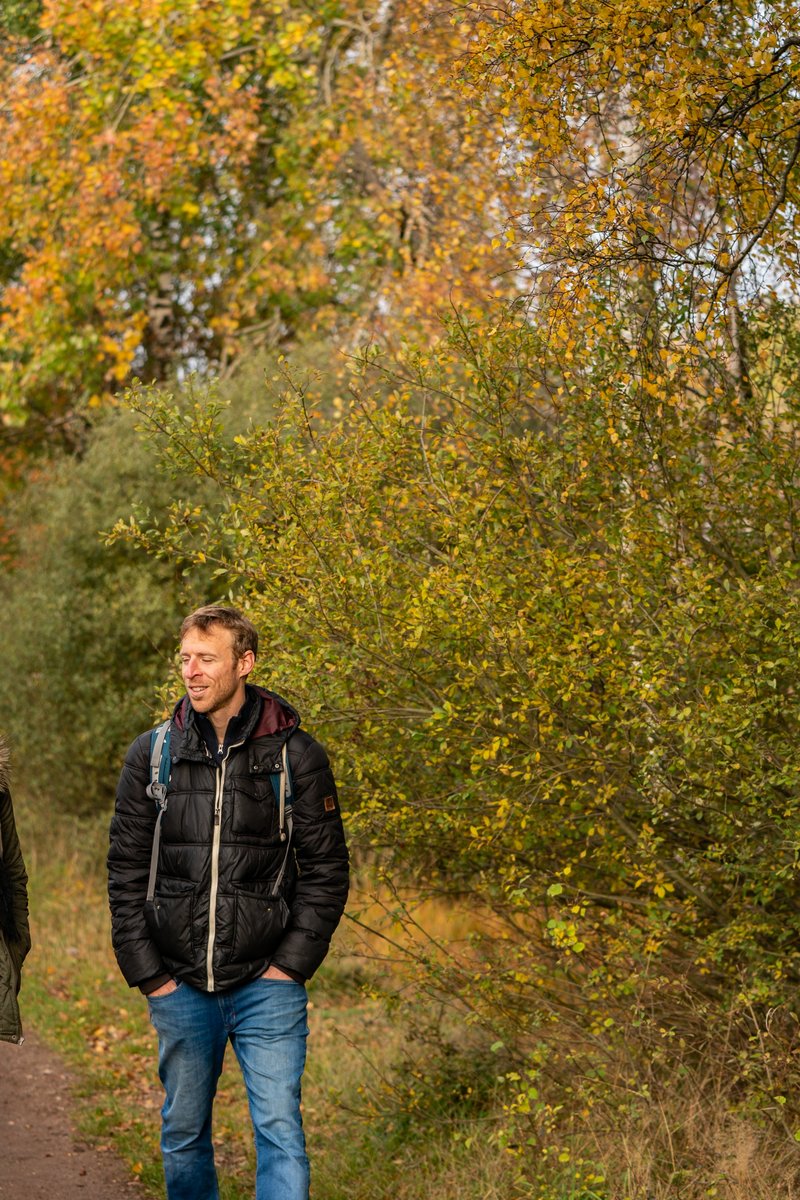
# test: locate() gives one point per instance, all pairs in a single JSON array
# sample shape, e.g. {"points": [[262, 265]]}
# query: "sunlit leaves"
{"points": [[180, 180], [128, 143], [659, 144]]}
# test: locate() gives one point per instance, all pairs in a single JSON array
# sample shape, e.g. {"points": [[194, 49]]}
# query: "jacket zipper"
{"points": [[215, 842]]}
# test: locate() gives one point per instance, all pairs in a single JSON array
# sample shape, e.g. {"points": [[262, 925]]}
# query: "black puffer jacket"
{"points": [[212, 923]]}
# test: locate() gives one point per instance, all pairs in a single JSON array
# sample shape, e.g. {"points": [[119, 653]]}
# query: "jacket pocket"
{"points": [[170, 919], [254, 813], [259, 921]]}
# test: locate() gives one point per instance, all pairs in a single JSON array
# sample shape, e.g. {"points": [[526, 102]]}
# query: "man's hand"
{"points": [[166, 988], [276, 973]]}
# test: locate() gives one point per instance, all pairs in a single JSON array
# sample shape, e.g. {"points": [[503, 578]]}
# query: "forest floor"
{"points": [[42, 1154]]}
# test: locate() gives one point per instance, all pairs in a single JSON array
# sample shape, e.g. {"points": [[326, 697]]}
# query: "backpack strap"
{"points": [[157, 790], [282, 786]]}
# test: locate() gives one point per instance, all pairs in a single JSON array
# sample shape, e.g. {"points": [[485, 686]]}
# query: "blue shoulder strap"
{"points": [[282, 787], [160, 762]]}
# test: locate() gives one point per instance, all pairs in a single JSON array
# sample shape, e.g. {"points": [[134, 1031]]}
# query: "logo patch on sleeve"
{"points": [[329, 804]]}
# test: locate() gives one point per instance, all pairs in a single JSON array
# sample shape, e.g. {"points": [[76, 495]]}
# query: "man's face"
{"points": [[214, 677]]}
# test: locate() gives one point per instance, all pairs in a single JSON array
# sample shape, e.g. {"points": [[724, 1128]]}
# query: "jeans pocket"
{"points": [[151, 999]]}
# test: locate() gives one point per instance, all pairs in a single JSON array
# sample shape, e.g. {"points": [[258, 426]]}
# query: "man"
{"points": [[219, 956]]}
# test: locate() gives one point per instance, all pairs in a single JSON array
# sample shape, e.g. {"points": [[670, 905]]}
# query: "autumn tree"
{"points": [[136, 148], [179, 180], [659, 143]]}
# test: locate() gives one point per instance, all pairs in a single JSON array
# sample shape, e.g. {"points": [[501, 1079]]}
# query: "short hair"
{"points": [[245, 634]]}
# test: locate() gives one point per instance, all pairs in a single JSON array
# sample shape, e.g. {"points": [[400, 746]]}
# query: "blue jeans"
{"points": [[265, 1021]]}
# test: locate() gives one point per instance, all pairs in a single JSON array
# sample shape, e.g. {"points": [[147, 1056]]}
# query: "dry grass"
{"points": [[722, 1156]]}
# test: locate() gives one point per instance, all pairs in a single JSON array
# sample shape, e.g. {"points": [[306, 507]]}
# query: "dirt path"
{"points": [[41, 1154]]}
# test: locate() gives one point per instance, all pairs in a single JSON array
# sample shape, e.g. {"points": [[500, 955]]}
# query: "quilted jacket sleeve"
{"points": [[131, 841], [322, 864]]}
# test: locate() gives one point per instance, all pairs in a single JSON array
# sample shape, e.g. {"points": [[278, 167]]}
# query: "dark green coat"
{"points": [[15, 939]]}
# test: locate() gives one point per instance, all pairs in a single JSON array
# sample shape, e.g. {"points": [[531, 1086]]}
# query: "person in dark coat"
{"points": [[223, 916], [15, 941]]}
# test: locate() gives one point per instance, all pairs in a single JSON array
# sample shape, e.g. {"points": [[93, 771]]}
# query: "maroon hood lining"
{"points": [[276, 715]]}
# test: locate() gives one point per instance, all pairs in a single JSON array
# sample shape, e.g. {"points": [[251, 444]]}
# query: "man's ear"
{"points": [[246, 663]]}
